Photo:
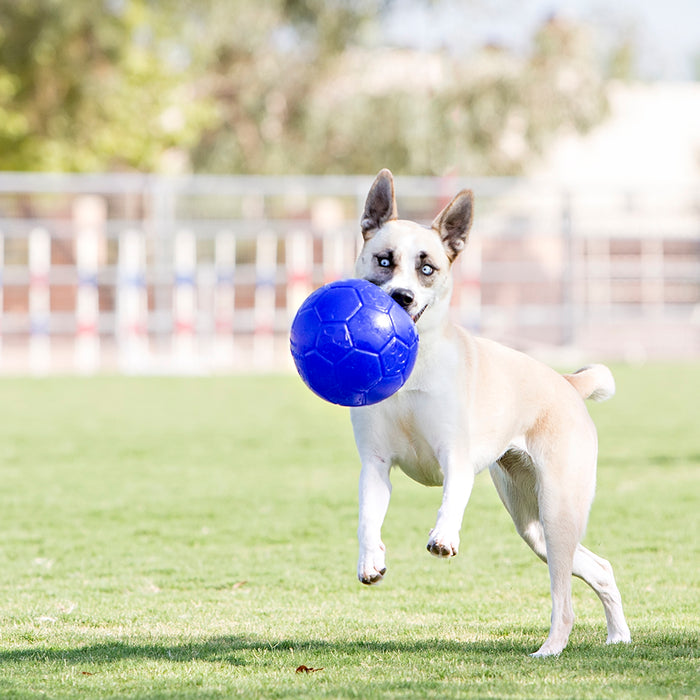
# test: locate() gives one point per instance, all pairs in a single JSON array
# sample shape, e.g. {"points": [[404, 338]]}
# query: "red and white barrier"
{"points": [[224, 298], [184, 300], [39, 301], [132, 303], [265, 300], [89, 214], [299, 249], [155, 274], [467, 293], [327, 217]]}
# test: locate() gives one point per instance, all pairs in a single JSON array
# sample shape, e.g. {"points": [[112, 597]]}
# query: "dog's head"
{"points": [[408, 261]]}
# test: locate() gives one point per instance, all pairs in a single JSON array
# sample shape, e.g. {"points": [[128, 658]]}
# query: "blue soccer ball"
{"points": [[352, 344]]}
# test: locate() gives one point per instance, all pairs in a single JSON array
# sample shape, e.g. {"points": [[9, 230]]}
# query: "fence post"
{"points": [[299, 253], [264, 313], [132, 303], [224, 298], [89, 214], [599, 277], [39, 301], [184, 298], [469, 286], [338, 250], [652, 277]]}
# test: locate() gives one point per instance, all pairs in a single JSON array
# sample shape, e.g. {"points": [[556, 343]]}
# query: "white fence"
{"points": [[203, 274]]}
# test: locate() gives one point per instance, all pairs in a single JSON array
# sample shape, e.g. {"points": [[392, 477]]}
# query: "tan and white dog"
{"points": [[472, 404]]}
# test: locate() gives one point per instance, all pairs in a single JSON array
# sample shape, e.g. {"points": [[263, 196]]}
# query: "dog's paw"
{"points": [[443, 546], [369, 578], [619, 636], [371, 567]]}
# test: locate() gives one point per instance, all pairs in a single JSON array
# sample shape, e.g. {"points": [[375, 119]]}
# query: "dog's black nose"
{"points": [[403, 297]]}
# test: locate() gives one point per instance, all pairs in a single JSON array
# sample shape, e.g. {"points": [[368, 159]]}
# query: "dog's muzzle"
{"points": [[405, 298]]}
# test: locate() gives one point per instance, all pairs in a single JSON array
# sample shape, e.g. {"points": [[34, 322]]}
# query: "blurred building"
{"points": [[622, 205], [651, 139]]}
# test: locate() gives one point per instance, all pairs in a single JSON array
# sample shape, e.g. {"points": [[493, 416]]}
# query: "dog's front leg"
{"points": [[375, 492], [457, 487]]}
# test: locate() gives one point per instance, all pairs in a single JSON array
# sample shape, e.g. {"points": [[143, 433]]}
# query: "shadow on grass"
{"points": [[243, 651], [234, 650]]}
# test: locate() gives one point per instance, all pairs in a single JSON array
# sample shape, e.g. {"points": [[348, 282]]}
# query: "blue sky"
{"points": [[666, 32]]}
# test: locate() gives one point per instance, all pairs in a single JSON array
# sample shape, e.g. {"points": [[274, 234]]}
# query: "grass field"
{"points": [[196, 537]]}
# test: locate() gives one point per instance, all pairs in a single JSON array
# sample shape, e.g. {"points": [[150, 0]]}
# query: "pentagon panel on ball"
{"points": [[352, 344]]}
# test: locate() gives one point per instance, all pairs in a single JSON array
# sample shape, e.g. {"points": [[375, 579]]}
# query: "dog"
{"points": [[472, 404]]}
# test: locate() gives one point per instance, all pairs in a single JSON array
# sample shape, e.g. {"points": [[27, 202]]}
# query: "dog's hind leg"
{"points": [[598, 574], [516, 484], [563, 528], [515, 479]]}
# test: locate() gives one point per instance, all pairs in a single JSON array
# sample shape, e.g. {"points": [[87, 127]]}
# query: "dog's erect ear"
{"points": [[380, 206], [453, 223]]}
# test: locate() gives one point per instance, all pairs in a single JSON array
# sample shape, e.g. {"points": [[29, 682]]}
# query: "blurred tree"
{"points": [[260, 64], [489, 114], [621, 61], [89, 85], [281, 86]]}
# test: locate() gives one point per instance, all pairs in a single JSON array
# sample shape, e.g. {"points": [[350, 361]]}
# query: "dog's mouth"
{"points": [[404, 304], [419, 314]]}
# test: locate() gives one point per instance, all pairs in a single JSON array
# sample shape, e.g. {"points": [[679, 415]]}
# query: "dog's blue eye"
{"points": [[384, 262], [427, 270]]}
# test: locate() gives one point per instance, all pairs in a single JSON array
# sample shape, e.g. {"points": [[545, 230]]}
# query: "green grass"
{"points": [[196, 537]]}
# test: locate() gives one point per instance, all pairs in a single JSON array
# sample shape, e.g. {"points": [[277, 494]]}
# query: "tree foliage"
{"points": [[89, 85], [281, 86], [434, 113]]}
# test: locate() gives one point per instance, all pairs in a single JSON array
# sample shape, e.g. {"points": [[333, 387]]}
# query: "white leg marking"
{"points": [[598, 574], [457, 488], [375, 492]]}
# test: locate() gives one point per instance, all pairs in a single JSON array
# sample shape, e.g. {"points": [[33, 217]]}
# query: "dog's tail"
{"points": [[593, 382]]}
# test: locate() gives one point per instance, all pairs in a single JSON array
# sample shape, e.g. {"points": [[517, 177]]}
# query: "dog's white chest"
{"points": [[411, 445], [419, 462], [414, 428]]}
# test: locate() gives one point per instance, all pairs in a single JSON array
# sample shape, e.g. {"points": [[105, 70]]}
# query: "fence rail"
{"points": [[141, 273]]}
